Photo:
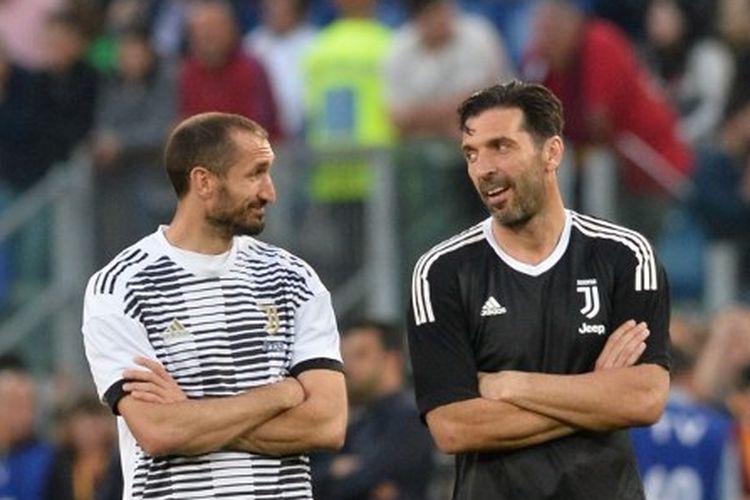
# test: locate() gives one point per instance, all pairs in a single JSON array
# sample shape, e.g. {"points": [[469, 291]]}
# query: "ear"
{"points": [[202, 181], [553, 153]]}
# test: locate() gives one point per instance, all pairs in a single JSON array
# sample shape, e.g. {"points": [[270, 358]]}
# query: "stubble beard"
{"points": [[230, 223], [526, 203]]}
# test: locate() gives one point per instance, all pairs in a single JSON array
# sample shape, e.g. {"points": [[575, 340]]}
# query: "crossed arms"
{"points": [[520, 409], [295, 415]]}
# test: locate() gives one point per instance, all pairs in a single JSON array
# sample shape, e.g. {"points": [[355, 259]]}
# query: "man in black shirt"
{"points": [[539, 334]]}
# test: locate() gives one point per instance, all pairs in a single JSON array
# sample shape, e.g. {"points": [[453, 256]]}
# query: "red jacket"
{"points": [[241, 86], [606, 77]]}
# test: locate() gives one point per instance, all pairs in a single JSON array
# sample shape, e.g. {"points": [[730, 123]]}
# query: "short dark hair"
{"points": [[205, 140], [542, 110], [391, 336]]}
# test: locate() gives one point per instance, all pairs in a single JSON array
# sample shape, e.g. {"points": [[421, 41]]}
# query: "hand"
{"points": [[499, 385], [624, 347], [154, 385]]}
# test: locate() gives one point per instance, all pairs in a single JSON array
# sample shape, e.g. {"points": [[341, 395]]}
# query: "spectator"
{"points": [[610, 99], [24, 460], [733, 22], [387, 453], [696, 68], [717, 209], [65, 103], [22, 25], [691, 451], [69, 87], [345, 108], [281, 43], [725, 354], [114, 17], [217, 76], [169, 22], [19, 124], [81, 460], [427, 75], [135, 111], [722, 196]]}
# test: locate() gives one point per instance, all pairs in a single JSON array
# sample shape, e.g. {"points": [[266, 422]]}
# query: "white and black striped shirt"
{"points": [[220, 325]]}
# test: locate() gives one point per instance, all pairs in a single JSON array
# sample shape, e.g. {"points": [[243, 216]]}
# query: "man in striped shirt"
{"points": [[540, 334], [219, 353]]}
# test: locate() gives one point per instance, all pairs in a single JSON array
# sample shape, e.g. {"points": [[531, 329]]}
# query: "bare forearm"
{"points": [[483, 425], [598, 401], [199, 426], [299, 430], [318, 423]]}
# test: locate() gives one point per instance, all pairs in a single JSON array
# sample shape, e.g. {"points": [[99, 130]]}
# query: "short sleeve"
{"points": [[111, 340], [442, 357], [642, 293], [316, 344]]}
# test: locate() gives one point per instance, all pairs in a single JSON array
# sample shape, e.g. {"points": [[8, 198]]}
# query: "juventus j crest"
{"points": [[590, 292]]}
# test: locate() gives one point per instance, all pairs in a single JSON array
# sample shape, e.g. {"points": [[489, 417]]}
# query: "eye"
{"points": [[501, 146], [470, 155], [257, 172]]}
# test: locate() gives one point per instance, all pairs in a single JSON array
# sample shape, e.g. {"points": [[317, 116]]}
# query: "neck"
{"points": [[536, 240], [191, 231]]}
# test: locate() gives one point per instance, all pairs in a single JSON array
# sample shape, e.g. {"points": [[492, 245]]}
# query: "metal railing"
{"points": [[63, 195], [376, 284]]}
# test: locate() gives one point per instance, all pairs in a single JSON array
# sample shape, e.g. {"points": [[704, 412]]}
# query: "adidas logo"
{"points": [[175, 330], [493, 308]]}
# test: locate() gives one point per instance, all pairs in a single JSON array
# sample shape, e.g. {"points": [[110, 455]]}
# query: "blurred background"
{"points": [[359, 97]]}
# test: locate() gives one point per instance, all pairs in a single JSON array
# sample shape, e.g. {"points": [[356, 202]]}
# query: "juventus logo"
{"points": [[590, 292], [273, 323]]}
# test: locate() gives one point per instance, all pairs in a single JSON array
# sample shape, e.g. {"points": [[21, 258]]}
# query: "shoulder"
{"points": [[623, 247], [275, 259], [449, 253], [610, 236], [113, 277]]}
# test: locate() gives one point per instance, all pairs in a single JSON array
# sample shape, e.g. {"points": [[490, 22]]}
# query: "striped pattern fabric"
{"points": [[217, 336], [420, 286], [646, 278]]}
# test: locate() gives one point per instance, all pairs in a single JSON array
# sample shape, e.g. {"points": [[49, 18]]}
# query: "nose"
{"points": [[267, 191], [485, 165]]}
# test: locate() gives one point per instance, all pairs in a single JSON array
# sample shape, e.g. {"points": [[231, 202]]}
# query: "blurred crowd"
{"points": [[662, 84]]}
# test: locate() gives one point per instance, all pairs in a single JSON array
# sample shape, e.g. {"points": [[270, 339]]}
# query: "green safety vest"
{"points": [[345, 104]]}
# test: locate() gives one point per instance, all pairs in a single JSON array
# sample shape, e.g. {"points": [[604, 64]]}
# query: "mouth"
{"points": [[497, 195]]}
